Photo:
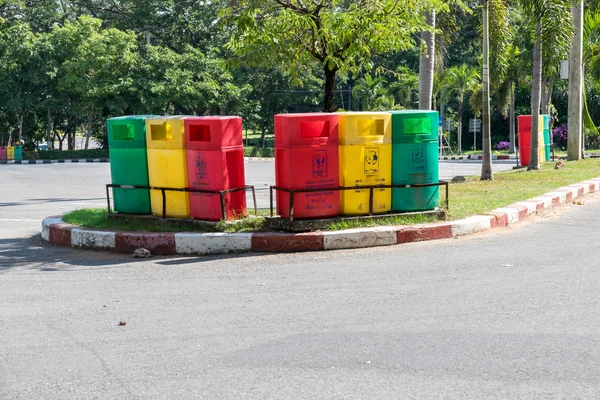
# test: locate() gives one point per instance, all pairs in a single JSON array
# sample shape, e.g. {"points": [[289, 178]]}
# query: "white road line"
{"points": [[20, 220]]}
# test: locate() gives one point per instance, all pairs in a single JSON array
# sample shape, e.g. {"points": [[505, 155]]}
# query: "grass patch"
{"points": [[468, 198], [97, 218], [476, 197], [389, 221]]}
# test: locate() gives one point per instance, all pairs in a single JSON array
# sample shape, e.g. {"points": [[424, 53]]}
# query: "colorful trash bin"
{"points": [[524, 126], [215, 161], [415, 147], [10, 153], [307, 157], [2, 153], [365, 159], [129, 163], [167, 166], [18, 150]]}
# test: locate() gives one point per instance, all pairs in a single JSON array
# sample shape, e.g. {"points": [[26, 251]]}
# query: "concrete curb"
{"points": [[55, 231], [73, 161]]}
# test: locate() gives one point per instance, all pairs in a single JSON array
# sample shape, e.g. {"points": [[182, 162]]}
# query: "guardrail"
{"points": [[221, 194], [293, 192]]}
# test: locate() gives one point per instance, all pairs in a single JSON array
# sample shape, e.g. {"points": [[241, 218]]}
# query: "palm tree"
{"points": [[461, 80], [495, 38], [427, 63], [553, 28], [367, 90], [405, 87], [574, 137]]}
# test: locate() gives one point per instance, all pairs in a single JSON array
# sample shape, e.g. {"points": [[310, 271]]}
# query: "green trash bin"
{"points": [[128, 163], [415, 150], [18, 152], [546, 136]]}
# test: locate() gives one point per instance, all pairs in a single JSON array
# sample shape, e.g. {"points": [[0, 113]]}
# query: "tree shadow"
{"points": [[34, 253]]}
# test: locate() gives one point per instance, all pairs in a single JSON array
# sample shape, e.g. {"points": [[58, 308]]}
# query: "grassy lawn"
{"points": [[466, 199], [476, 197]]}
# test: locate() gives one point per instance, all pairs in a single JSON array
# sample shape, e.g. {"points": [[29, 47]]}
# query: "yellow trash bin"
{"points": [[365, 160], [167, 165], [365, 165], [10, 153]]}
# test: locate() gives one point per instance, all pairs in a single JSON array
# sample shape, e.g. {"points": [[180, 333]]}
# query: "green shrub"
{"points": [[64, 154]]}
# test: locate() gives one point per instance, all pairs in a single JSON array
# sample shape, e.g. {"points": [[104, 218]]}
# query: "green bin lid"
{"points": [[410, 126], [127, 131]]}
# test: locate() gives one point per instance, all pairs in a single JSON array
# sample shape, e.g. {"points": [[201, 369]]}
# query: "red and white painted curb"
{"points": [[59, 233]]}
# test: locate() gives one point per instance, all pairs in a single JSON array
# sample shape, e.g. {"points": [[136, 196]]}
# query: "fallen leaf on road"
{"points": [[122, 323]]}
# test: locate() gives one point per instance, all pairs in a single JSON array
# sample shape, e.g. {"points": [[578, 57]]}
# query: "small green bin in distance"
{"points": [[414, 126], [128, 163], [546, 127], [18, 152], [415, 163]]}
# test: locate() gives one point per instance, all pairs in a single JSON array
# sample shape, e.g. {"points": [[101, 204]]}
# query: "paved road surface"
{"points": [[510, 314]]}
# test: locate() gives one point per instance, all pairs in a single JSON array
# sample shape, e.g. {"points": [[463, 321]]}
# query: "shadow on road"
{"points": [[35, 254]]}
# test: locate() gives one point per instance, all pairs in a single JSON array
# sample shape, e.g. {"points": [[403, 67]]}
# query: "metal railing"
{"points": [[221, 194], [293, 192]]}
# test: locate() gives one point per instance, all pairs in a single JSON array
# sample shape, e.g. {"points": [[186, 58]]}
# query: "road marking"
{"points": [[20, 220]]}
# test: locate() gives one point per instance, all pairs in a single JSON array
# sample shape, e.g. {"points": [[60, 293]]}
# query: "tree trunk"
{"points": [[60, 140], [20, 121], [49, 133], [575, 116], [536, 92], [511, 116], [329, 88], [486, 165], [427, 63], [460, 115], [88, 131]]}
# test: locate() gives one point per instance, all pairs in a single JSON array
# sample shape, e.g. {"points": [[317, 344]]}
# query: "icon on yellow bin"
{"points": [[372, 161]]}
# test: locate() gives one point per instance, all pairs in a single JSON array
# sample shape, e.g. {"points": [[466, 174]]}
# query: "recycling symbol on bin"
{"points": [[371, 161]]}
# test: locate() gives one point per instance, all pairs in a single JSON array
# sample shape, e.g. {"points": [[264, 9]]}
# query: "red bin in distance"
{"points": [[306, 157], [2, 153], [212, 166], [524, 128]]}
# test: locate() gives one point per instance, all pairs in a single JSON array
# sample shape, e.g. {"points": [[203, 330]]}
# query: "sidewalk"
{"points": [[59, 233]]}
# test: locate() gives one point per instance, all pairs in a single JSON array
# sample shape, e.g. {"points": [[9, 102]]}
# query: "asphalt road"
{"points": [[508, 314]]}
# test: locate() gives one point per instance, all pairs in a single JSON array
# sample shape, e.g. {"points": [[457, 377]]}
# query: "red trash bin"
{"points": [[215, 161], [306, 157], [524, 133], [2, 153]]}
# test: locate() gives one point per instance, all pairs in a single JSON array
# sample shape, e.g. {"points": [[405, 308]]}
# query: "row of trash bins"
{"points": [[524, 128], [179, 152], [332, 155], [354, 150], [11, 153]]}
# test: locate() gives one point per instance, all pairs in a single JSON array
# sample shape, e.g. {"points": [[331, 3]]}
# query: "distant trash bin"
{"points": [[18, 152], [3, 153], [10, 153]]}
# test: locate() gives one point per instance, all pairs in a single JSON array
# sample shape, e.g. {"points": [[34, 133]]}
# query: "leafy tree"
{"points": [[553, 28], [367, 90], [459, 81], [340, 35]]}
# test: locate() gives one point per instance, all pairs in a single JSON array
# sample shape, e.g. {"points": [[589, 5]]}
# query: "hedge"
{"points": [[64, 154], [258, 152]]}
